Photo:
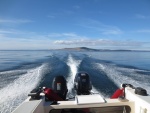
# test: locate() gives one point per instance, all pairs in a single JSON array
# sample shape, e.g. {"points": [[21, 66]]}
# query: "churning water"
{"points": [[22, 71]]}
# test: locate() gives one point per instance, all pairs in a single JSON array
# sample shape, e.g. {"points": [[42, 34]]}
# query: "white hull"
{"points": [[132, 104]]}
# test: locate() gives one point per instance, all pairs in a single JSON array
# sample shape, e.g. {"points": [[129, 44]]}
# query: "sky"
{"points": [[55, 24]]}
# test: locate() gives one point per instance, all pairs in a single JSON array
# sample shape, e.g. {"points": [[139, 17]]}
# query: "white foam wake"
{"points": [[7, 77], [15, 93], [125, 75], [73, 64]]}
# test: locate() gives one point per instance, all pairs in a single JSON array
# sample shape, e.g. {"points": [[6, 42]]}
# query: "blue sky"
{"points": [[50, 24]]}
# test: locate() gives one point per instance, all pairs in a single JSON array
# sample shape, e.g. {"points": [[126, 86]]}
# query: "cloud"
{"points": [[76, 7], [100, 27], [66, 36], [113, 31], [14, 21], [144, 31], [140, 16], [10, 31], [15, 42], [62, 13], [100, 42], [14, 39], [17, 34], [51, 16], [75, 39]]}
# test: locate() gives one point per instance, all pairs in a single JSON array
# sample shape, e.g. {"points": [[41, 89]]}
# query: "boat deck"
{"points": [[89, 104]]}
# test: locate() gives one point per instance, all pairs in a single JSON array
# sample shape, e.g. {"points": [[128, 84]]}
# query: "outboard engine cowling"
{"points": [[59, 86], [82, 83]]}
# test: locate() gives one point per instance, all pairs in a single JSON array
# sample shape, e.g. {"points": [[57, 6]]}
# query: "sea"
{"points": [[22, 71]]}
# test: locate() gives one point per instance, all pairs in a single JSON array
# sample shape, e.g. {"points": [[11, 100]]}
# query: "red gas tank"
{"points": [[51, 95]]}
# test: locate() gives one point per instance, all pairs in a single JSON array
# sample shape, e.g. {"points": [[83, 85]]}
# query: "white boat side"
{"points": [[132, 104]]}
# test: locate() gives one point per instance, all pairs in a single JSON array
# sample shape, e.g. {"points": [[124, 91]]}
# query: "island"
{"points": [[90, 49]]}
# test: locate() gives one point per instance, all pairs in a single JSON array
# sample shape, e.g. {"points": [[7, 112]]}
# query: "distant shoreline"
{"points": [[101, 50], [82, 49]]}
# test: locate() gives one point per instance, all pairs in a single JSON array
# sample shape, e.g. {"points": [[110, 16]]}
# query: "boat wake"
{"points": [[16, 92], [8, 77], [73, 65], [120, 75], [105, 77]]}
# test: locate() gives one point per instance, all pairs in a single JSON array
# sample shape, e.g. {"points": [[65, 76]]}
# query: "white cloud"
{"points": [[14, 21], [111, 31], [140, 16], [51, 16], [11, 39], [70, 34], [76, 7], [100, 42], [144, 31], [19, 42], [10, 31], [62, 13], [66, 36], [100, 27]]}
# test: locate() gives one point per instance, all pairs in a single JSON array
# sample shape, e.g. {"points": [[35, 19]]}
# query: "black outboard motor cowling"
{"points": [[82, 83], [60, 86]]}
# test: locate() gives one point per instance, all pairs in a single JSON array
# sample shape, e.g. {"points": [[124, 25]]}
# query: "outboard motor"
{"points": [[82, 83], [59, 86]]}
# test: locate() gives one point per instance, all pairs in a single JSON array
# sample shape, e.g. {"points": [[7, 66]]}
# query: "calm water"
{"points": [[21, 71]]}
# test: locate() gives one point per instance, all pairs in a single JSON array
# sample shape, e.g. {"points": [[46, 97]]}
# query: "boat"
{"points": [[128, 99]]}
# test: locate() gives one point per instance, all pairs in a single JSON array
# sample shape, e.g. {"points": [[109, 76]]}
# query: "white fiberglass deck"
{"points": [[89, 104]]}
